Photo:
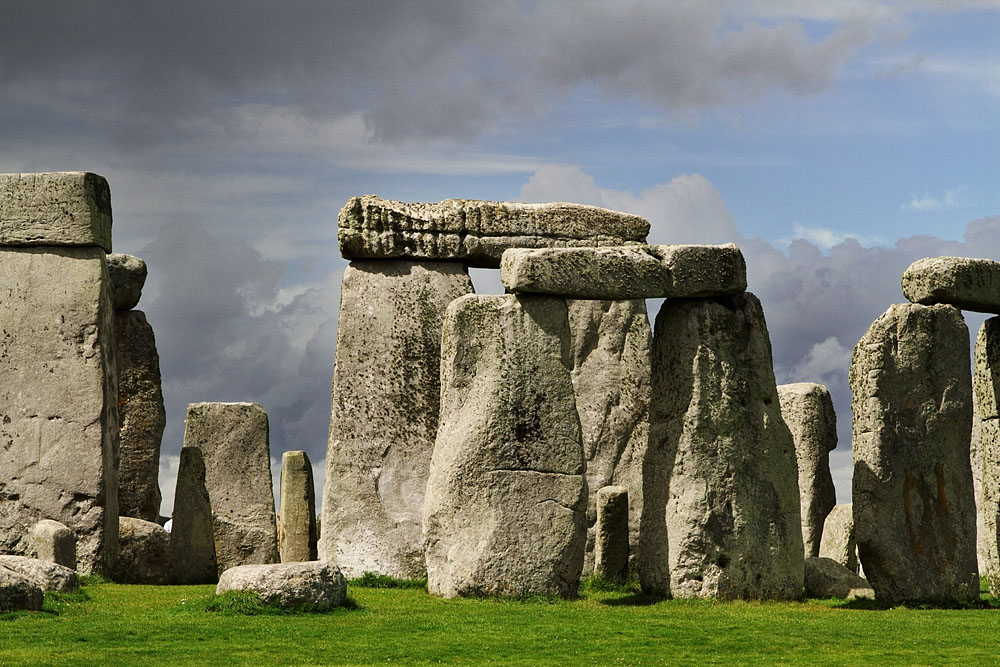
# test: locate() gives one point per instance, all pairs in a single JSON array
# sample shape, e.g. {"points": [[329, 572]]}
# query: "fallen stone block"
{"points": [[969, 284], [626, 272], [838, 541], [46, 575], [19, 592], [55, 209], [143, 552], [475, 233], [52, 541], [297, 529], [128, 275], [192, 537], [826, 578], [288, 585]]}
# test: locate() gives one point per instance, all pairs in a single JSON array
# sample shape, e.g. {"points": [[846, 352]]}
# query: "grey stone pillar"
{"points": [[297, 529], [192, 538]]}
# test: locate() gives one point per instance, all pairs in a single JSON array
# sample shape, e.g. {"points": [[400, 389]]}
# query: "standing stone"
{"points": [[505, 511], [987, 398], [297, 532], [52, 541], [838, 541], [385, 413], [976, 461], [914, 512], [720, 492], [192, 540], [58, 400], [611, 544], [233, 439], [610, 347], [140, 404], [143, 552], [807, 409]]}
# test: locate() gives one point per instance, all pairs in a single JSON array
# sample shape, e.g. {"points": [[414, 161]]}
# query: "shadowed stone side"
{"points": [[505, 511], [297, 532], [233, 439], [976, 461], [838, 541], [384, 418], [192, 539], [914, 512], [970, 284], [128, 275], [826, 578], [807, 409], [19, 592], [720, 486], [142, 417], [143, 552], [55, 209], [987, 398], [611, 544], [58, 401], [52, 541]]}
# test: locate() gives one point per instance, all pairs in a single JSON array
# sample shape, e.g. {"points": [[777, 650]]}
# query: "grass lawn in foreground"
{"points": [[117, 624]]}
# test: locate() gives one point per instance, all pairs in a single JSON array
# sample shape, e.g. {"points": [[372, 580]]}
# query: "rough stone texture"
{"points": [[976, 461], [52, 541], [475, 233], [297, 530], [838, 537], [143, 552], [611, 542], [626, 272], [384, 413], [192, 539], [987, 399], [610, 347], [233, 439], [128, 275], [288, 584], [45, 574], [970, 284], [826, 578], [914, 512], [141, 415], [807, 409], [720, 491], [58, 401], [505, 511], [55, 209], [19, 592]]}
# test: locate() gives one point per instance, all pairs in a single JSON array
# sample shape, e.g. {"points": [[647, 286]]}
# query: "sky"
{"points": [[835, 142]]}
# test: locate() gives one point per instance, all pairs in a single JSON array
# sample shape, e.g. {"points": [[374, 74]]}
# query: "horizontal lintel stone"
{"points": [[626, 272], [969, 284], [55, 209]]}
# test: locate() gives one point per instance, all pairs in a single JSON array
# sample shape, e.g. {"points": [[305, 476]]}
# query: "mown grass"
{"points": [[110, 623]]}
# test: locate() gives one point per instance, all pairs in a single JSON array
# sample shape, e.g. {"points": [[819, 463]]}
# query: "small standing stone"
{"points": [[192, 541], [838, 537], [987, 390], [53, 541], [143, 552], [297, 532], [611, 543]]}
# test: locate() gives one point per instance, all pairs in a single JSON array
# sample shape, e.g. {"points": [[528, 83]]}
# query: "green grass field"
{"points": [[115, 624]]}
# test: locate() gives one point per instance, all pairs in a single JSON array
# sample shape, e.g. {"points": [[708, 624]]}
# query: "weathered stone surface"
{"points": [[970, 284], [976, 461], [55, 209], [19, 592], [986, 383], [52, 541], [288, 584], [610, 347], [128, 275], [141, 415], [826, 578], [475, 233], [807, 409], [143, 552], [192, 538], [385, 413], [914, 513], [45, 574], [838, 537], [233, 439], [505, 511], [720, 491], [626, 272], [58, 401], [611, 542], [297, 530]]}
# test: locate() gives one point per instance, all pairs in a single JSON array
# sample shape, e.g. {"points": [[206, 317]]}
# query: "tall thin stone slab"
{"points": [[914, 511], [506, 495], [987, 397], [192, 538], [233, 438], [976, 461], [611, 544], [720, 492], [807, 409], [384, 413], [297, 530]]}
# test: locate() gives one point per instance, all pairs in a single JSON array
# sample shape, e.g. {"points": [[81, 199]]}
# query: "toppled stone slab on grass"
{"points": [[289, 585], [970, 284], [143, 552], [52, 541], [128, 275], [55, 209], [826, 578], [474, 232], [45, 574], [626, 272], [19, 592]]}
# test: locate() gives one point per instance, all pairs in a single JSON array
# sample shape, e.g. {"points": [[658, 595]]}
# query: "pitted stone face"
{"points": [[970, 284], [55, 209]]}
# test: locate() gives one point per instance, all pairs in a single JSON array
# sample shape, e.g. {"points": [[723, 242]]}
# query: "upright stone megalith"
{"points": [[720, 492], [297, 530], [914, 512], [807, 409], [192, 538], [384, 413], [838, 541], [611, 547], [987, 397], [506, 496], [233, 438]]}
